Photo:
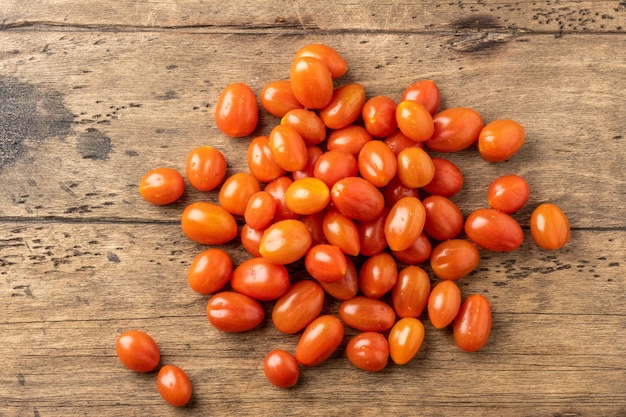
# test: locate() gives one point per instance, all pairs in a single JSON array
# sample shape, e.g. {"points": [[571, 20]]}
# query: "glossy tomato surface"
{"points": [[237, 111], [377, 163], [346, 287], [379, 116], [414, 120], [231, 311], [162, 186], [341, 231], [425, 92], [261, 162], [404, 223], [288, 148], [299, 306], [320, 340], [277, 98], [251, 239], [549, 226], [500, 140], [455, 129], [325, 263], [368, 351], [307, 196], [208, 223], [398, 141], [138, 351], [344, 107], [444, 219], [334, 165], [378, 275], [205, 168], [367, 314], [281, 368], [396, 190], [236, 191], [443, 304], [372, 234], [405, 340], [415, 167], [311, 82], [307, 123], [260, 279], [447, 179], [350, 138], [357, 198], [174, 385], [329, 56], [210, 271], [454, 258], [285, 241], [419, 251], [473, 323], [410, 292], [260, 210], [494, 230], [508, 193]]}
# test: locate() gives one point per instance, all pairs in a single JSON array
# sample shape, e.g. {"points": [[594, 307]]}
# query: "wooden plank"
{"points": [[305, 16], [90, 113]]}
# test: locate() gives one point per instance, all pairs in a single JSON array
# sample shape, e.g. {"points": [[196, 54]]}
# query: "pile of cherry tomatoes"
{"points": [[344, 186]]}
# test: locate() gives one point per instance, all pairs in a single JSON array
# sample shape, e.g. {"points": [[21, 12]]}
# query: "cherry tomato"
{"points": [[377, 163], [325, 263], [137, 351], [231, 311], [261, 162], [443, 304], [311, 82], [330, 57], [320, 340], [208, 223], [424, 92], [398, 141], [549, 227], [334, 165], [414, 120], [162, 186], [307, 196], [299, 306], [315, 223], [368, 351], [494, 230], [456, 129], [444, 219], [396, 190], [372, 234], [260, 210], [344, 107], [447, 179], [260, 279], [418, 252], [378, 275], [288, 148], [350, 138], [345, 288], [508, 193], [357, 198], [415, 167], [277, 188], [405, 340], [174, 385], [281, 368], [367, 314], [237, 111], [205, 168], [341, 231], [379, 116], [404, 223], [308, 124], [277, 98], [500, 140], [210, 271], [472, 325], [236, 191], [251, 239], [285, 241], [313, 154], [454, 259], [410, 292]]}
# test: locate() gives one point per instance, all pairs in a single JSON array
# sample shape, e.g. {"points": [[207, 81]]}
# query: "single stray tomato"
{"points": [[281, 368], [500, 140], [237, 111], [368, 351], [162, 186], [549, 227], [174, 385], [472, 325], [210, 271], [508, 193], [138, 351]]}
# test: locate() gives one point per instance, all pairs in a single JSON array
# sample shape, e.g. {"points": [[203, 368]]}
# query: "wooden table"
{"points": [[95, 93]]}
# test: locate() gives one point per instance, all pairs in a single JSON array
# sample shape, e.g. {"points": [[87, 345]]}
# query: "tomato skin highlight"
{"points": [[357, 198], [372, 234], [404, 223], [472, 325], [334, 165], [138, 351], [367, 314], [237, 111], [205, 168], [210, 271], [368, 351], [494, 230], [162, 186], [453, 259], [320, 340], [174, 385], [549, 226], [455, 129], [418, 252], [234, 312], [444, 303], [208, 223], [260, 279], [500, 140], [285, 241], [350, 138], [405, 340], [281, 368], [299, 306], [410, 293]]}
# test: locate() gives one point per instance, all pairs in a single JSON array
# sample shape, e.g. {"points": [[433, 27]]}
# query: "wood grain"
{"points": [[94, 93]]}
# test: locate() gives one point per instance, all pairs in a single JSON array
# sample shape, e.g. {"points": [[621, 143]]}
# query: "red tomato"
{"points": [[277, 98], [237, 111], [398, 141], [447, 179], [308, 124], [298, 307], [320, 340], [341, 231], [260, 279], [285, 241], [332, 166], [357, 198], [414, 120], [137, 351], [372, 234], [396, 190], [443, 304], [494, 230], [288, 148], [281, 368], [500, 140], [251, 239], [418, 252], [210, 271], [231, 311], [307, 196], [367, 314], [415, 167], [508, 193], [350, 138], [313, 154], [379, 116], [325, 263], [315, 224], [405, 340], [404, 223], [278, 188], [162, 186], [261, 162], [410, 292], [311, 82], [377, 163], [453, 259], [368, 351], [344, 107], [208, 223], [549, 227], [205, 168], [378, 275], [236, 191], [444, 219], [260, 210], [424, 92], [347, 286], [472, 325], [330, 57], [455, 129], [174, 385]]}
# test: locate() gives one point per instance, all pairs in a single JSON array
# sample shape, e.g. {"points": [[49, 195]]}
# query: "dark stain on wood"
{"points": [[93, 144]]}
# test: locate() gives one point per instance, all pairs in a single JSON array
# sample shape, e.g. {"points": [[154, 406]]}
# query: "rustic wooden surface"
{"points": [[94, 93]]}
